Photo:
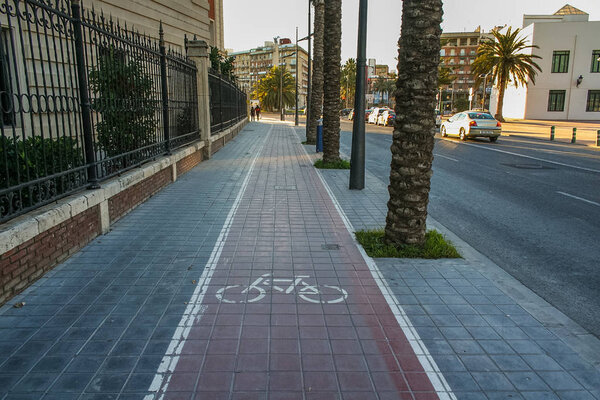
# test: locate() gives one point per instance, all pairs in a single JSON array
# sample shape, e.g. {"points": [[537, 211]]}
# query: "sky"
{"points": [[250, 24]]}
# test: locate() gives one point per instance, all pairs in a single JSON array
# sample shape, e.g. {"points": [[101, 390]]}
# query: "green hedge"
{"points": [[35, 158]]}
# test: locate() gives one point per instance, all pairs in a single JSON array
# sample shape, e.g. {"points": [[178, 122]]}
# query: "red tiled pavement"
{"points": [[275, 343]]}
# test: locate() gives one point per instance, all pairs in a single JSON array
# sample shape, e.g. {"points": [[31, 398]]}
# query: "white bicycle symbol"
{"points": [[312, 293]]}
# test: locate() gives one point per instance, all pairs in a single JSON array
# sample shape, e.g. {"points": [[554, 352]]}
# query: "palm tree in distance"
{"points": [[504, 59], [385, 86], [267, 90], [316, 92], [332, 58], [348, 81], [412, 143]]}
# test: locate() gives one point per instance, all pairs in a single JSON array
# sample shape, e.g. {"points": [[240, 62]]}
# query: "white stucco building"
{"points": [[568, 88]]}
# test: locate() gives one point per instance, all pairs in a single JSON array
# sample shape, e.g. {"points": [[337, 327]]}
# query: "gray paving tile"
{"points": [[560, 380], [492, 381]]}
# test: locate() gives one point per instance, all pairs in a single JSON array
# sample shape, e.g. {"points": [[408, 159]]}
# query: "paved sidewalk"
{"points": [[242, 281], [238, 281], [471, 316]]}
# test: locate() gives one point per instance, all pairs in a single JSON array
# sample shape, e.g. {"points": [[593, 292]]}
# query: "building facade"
{"points": [[250, 66], [200, 18], [568, 87], [459, 50]]}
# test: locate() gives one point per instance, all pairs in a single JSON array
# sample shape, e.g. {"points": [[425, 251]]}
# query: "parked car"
{"points": [[438, 118], [386, 118], [469, 124], [351, 115], [345, 112], [368, 114], [377, 111]]}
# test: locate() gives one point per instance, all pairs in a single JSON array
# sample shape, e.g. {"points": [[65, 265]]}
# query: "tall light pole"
{"points": [[484, 90], [297, 76], [296, 115], [307, 112], [357, 159]]}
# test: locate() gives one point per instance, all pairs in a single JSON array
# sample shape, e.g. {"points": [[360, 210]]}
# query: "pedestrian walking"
{"points": [[252, 113], [257, 112]]}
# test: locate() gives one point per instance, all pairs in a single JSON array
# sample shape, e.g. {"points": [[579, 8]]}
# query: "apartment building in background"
{"points": [[250, 66], [568, 88], [459, 50]]}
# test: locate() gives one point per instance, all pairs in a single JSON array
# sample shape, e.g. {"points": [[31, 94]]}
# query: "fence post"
{"points": [[164, 88], [552, 130], [84, 97], [198, 52], [574, 138], [220, 102], [598, 138]]}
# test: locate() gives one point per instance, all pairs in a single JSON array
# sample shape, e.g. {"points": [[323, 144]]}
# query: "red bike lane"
{"points": [[288, 307]]}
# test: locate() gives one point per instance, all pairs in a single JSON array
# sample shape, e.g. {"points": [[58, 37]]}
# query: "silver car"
{"points": [[469, 124]]}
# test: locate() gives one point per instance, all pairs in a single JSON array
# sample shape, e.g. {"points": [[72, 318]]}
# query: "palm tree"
{"points": [[412, 145], [384, 86], [316, 93], [332, 58], [348, 81], [268, 88], [504, 59]]}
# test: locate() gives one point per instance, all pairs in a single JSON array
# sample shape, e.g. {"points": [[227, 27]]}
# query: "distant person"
{"points": [[257, 113], [252, 113]]}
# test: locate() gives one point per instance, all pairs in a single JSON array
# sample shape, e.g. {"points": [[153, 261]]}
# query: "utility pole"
{"points": [[296, 118], [357, 160]]}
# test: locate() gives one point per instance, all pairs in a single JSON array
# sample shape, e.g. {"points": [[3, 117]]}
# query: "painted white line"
{"points": [[530, 157], [429, 365], [449, 158], [194, 310], [579, 198]]}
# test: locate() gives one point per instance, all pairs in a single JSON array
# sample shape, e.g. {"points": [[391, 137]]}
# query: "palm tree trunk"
{"points": [[500, 105], [412, 145], [331, 80], [316, 94]]}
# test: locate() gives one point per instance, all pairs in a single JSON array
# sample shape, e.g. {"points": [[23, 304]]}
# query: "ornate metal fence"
{"points": [[83, 98], [227, 103]]}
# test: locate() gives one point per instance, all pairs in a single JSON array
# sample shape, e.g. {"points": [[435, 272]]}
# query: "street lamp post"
{"points": [[357, 160], [296, 115], [297, 63], [484, 90]]}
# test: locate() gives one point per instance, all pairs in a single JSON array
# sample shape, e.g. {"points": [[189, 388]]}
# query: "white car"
{"points": [[374, 116], [469, 124], [438, 118], [386, 118]]}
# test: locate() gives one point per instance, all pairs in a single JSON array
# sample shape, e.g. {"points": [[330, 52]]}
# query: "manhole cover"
{"points": [[291, 187], [330, 246], [528, 166]]}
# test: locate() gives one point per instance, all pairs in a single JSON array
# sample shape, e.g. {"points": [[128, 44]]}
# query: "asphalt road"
{"points": [[532, 207]]}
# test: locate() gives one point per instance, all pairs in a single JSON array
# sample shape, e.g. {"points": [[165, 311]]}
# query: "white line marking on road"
{"points": [[194, 310], [579, 198], [530, 157], [449, 158], [429, 365]]}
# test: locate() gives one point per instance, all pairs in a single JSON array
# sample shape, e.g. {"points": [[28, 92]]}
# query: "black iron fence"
{"points": [[83, 98], [227, 102]]}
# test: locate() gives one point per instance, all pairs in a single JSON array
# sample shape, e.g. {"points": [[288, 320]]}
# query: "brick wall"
{"points": [[24, 264], [189, 162], [217, 145], [128, 199]]}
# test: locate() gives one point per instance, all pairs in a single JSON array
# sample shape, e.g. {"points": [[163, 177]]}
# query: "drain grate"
{"points": [[330, 246], [528, 166], [290, 187]]}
